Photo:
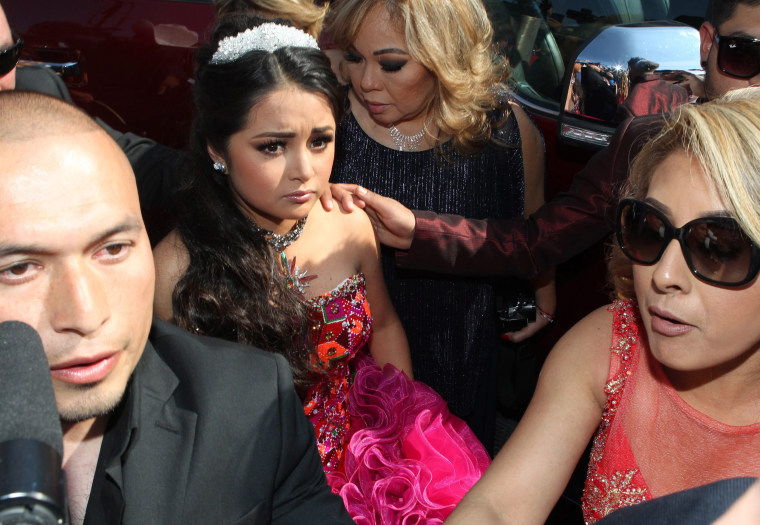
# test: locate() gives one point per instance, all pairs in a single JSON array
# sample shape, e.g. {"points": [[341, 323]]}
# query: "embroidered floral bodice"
{"points": [[650, 441], [389, 445], [341, 322]]}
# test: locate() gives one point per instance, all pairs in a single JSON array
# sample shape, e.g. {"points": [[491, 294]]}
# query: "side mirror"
{"points": [[626, 70]]}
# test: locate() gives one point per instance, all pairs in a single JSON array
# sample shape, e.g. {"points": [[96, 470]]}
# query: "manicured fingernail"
{"points": [[505, 337], [361, 191]]}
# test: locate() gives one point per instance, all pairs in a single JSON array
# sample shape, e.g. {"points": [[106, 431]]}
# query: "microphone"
{"points": [[32, 482]]}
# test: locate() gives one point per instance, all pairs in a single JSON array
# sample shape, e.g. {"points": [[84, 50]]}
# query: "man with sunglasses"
{"points": [[730, 46], [575, 220], [10, 51]]}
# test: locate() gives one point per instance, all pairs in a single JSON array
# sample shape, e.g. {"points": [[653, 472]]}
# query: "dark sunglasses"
{"points": [[716, 249], [738, 56], [9, 56]]}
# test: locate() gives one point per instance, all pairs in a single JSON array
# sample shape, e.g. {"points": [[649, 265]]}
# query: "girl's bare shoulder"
{"points": [[351, 225]]}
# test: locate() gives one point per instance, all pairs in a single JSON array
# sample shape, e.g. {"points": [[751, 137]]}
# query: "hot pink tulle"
{"points": [[409, 460]]}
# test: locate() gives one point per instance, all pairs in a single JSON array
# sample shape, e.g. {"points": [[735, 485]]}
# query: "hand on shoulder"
{"points": [[393, 222]]}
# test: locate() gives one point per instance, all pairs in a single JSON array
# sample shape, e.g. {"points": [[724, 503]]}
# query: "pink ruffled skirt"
{"points": [[408, 460]]}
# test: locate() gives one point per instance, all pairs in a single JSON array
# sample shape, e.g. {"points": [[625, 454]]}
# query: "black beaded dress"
{"points": [[449, 320]]}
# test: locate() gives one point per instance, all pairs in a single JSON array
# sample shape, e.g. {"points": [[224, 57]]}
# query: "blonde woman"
{"points": [[671, 367], [430, 124]]}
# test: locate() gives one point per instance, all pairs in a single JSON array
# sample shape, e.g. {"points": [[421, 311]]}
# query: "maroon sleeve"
{"points": [[560, 229], [651, 97]]}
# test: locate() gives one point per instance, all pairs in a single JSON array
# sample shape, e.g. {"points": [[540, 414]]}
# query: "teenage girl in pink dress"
{"points": [[255, 259]]}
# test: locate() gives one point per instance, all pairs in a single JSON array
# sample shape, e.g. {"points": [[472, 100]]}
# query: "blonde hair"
{"points": [[453, 40], [304, 14], [723, 136]]}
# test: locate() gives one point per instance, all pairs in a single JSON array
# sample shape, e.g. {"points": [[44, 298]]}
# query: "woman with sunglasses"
{"points": [[672, 367]]}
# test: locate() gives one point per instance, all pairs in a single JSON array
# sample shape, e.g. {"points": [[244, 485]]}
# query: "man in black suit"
{"points": [[159, 426]]}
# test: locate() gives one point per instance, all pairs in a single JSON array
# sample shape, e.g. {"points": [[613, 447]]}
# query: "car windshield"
{"points": [[540, 38]]}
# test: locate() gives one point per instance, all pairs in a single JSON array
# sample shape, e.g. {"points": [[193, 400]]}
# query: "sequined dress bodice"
{"points": [[340, 327], [389, 446], [449, 321]]}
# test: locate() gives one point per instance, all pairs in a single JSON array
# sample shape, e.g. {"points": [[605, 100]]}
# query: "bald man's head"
{"points": [[75, 261], [28, 116]]}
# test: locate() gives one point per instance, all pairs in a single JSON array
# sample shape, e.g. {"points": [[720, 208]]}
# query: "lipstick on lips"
{"points": [[299, 197], [668, 325], [85, 371], [374, 107]]}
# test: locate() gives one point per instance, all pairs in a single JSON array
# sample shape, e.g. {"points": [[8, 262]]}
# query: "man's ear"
{"points": [[706, 39]]}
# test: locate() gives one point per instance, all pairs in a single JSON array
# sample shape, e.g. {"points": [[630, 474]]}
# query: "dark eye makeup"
{"points": [[392, 65], [271, 145]]}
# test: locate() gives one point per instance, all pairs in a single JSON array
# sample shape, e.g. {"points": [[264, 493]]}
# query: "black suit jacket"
{"points": [[42, 80], [216, 435]]}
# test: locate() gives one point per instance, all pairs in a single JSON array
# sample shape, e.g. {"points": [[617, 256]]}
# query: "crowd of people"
{"points": [[282, 357]]}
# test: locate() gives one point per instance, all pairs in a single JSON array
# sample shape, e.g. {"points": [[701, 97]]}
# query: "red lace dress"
{"points": [[651, 442], [389, 445]]}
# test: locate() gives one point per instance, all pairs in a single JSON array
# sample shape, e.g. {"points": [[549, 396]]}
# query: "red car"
{"points": [[128, 62]]}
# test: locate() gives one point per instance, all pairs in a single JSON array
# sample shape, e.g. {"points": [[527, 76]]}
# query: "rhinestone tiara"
{"points": [[266, 37]]}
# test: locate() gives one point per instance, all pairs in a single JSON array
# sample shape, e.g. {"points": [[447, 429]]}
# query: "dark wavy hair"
{"points": [[234, 287]]}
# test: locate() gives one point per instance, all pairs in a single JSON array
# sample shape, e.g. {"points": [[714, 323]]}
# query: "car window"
{"points": [[540, 38]]}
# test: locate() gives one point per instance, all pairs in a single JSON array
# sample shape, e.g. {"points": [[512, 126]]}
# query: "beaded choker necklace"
{"points": [[408, 142], [277, 241], [296, 279]]}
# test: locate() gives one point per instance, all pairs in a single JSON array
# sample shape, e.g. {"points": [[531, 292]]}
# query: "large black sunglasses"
{"points": [[716, 249], [9, 56], [738, 56]]}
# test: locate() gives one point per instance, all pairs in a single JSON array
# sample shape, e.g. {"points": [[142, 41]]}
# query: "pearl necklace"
{"points": [[277, 241], [408, 142]]}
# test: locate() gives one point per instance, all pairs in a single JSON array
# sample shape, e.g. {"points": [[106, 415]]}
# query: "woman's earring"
{"points": [[220, 167]]}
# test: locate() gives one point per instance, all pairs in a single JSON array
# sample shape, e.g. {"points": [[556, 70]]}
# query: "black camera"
{"points": [[514, 311]]}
